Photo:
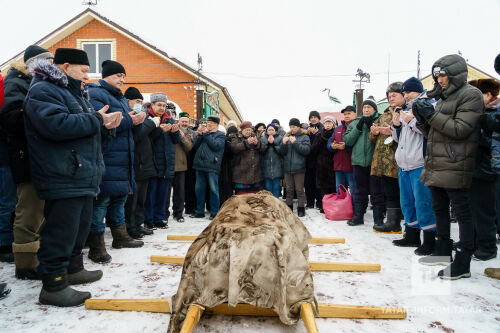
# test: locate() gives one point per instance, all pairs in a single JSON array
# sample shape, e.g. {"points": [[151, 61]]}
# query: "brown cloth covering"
{"points": [[256, 252]]}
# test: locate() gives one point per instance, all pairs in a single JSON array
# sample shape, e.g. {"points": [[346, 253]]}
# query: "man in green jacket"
{"points": [[452, 130], [357, 136]]}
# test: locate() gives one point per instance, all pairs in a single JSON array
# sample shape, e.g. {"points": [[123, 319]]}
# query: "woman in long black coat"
{"points": [[325, 175]]}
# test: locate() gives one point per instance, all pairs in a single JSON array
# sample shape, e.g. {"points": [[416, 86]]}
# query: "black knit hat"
{"points": [[314, 114], [497, 64], [294, 122], [348, 108], [371, 103], [215, 119], [275, 121], [231, 129], [35, 51], [71, 56], [412, 85], [110, 67], [133, 93]]}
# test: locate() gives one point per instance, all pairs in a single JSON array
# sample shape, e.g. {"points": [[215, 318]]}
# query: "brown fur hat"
{"points": [[487, 86]]}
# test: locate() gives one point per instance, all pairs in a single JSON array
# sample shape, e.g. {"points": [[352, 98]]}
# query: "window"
{"points": [[97, 52]]}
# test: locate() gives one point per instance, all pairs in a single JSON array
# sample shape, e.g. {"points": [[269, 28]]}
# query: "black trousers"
{"points": [[179, 193], [390, 187], [497, 202], [190, 194], [312, 192], [459, 198], [67, 226], [367, 185], [134, 207], [482, 204]]}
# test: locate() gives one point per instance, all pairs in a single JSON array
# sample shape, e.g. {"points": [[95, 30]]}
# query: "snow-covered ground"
{"points": [[433, 305]]}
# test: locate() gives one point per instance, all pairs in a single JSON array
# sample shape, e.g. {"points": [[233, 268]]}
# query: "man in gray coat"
{"points": [[452, 131]]}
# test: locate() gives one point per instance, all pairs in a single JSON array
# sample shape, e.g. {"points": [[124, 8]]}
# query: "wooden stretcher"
{"points": [[195, 311]]}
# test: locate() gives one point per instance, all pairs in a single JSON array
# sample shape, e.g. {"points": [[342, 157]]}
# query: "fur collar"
{"points": [[299, 133], [20, 66], [47, 71]]}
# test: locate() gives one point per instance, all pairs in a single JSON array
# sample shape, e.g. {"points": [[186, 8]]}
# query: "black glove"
{"points": [[368, 122], [423, 110], [360, 123]]}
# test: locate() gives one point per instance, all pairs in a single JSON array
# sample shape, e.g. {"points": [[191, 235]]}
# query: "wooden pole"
{"points": [[314, 240], [325, 310], [307, 315], [314, 266], [192, 318]]}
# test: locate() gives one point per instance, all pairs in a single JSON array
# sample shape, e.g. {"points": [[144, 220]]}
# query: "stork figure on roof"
{"points": [[332, 98]]}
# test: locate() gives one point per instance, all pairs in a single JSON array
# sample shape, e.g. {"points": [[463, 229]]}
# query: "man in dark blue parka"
{"points": [[64, 139], [118, 152]]}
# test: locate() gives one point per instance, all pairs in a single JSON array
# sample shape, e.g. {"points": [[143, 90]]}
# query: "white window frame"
{"points": [[112, 42]]}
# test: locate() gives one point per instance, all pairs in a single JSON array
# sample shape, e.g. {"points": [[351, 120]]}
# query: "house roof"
{"points": [[88, 15]]}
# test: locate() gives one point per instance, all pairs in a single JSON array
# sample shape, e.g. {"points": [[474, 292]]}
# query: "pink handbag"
{"points": [[338, 207]]}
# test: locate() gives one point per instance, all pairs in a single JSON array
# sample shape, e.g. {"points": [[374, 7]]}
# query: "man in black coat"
{"points": [[313, 195], [29, 208], [64, 138]]}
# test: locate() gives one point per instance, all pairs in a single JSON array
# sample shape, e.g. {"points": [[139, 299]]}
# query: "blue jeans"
{"points": [[416, 201], [113, 208], [347, 179], [202, 178], [273, 186], [8, 201], [156, 200]]}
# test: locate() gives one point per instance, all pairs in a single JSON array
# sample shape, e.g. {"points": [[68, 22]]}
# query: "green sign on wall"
{"points": [[211, 105]]}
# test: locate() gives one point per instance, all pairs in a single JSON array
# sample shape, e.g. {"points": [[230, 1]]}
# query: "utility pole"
{"points": [[418, 65], [363, 78]]}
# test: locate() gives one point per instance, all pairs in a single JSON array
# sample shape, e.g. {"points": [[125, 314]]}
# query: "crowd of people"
{"points": [[77, 157]]}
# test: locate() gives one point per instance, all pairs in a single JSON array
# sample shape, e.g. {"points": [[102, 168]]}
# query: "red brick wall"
{"points": [[141, 65]]}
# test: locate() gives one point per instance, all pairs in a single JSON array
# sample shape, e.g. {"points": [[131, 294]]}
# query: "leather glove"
{"points": [[368, 122], [423, 110], [360, 123]]}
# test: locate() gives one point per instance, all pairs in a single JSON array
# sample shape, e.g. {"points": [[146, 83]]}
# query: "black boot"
{"points": [[301, 211], [378, 214], [291, 207], [77, 274], [97, 248], [428, 245], [359, 213], [55, 291], [411, 238], [144, 230], [4, 290], [459, 268], [393, 224], [121, 239], [6, 254], [135, 233], [441, 254]]}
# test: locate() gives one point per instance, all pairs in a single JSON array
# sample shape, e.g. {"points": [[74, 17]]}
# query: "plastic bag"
{"points": [[338, 206]]}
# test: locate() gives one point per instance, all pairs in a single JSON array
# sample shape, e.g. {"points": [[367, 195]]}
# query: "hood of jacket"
{"points": [[47, 71], [456, 69]]}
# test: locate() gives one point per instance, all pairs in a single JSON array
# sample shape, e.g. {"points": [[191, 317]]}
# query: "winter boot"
{"points": [[393, 224], [291, 207], [55, 291], [301, 211], [26, 260], [359, 213], [122, 239], [145, 231], [77, 274], [428, 245], [484, 255], [4, 290], [135, 233], [493, 273], [459, 268], [441, 254], [97, 248], [378, 215], [411, 238]]}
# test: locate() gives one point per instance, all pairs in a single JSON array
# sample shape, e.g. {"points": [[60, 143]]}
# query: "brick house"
{"points": [[148, 68]]}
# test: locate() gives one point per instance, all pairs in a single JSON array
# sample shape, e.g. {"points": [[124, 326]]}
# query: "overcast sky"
{"points": [[276, 57]]}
